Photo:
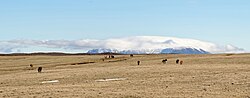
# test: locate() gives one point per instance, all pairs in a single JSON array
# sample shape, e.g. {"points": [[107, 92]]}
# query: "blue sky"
{"points": [[217, 21]]}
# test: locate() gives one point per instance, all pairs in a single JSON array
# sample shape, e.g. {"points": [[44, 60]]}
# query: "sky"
{"points": [[224, 22]]}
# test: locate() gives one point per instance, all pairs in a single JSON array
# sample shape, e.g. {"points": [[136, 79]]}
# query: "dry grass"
{"points": [[211, 76]]}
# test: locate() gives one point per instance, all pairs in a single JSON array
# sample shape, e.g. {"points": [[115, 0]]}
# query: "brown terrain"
{"points": [[200, 76]]}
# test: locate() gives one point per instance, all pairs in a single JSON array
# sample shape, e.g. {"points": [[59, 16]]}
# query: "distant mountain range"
{"points": [[182, 50], [122, 45]]}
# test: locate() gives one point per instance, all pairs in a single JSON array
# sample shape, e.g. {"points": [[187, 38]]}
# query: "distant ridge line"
{"points": [[56, 54], [71, 54]]}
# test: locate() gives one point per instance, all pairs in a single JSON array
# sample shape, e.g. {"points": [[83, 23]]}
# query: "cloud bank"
{"points": [[126, 43]]}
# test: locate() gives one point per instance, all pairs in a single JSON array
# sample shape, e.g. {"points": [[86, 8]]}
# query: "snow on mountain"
{"points": [[158, 44], [125, 45], [184, 51], [94, 51], [142, 51], [152, 51]]}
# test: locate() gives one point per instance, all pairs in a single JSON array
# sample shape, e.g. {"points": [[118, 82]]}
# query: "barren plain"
{"points": [[200, 76]]}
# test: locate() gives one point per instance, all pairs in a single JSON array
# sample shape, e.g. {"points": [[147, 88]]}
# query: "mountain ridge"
{"points": [[182, 50]]}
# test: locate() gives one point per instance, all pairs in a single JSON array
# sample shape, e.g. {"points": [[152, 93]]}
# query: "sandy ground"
{"points": [[200, 76]]}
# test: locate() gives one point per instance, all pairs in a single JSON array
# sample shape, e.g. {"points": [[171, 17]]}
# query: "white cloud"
{"points": [[126, 43]]}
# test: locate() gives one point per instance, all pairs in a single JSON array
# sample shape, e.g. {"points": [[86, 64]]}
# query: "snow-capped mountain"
{"points": [[184, 51], [125, 45], [141, 51], [94, 51], [158, 44], [152, 51]]}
